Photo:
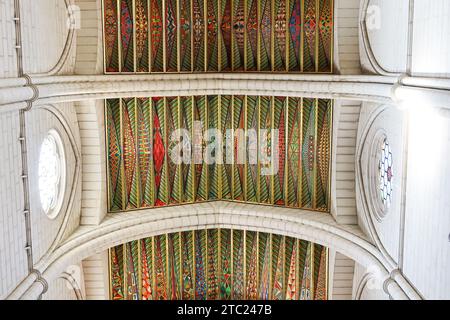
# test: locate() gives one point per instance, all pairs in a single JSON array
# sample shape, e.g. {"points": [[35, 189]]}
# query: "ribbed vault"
{"points": [[256, 149], [218, 264], [218, 35]]}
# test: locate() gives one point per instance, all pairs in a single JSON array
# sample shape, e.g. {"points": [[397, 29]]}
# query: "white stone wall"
{"points": [[422, 49], [89, 58], [44, 35], [45, 233], [90, 115], [365, 286], [387, 27], [13, 258], [8, 64], [388, 120], [431, 38], [341, 276], [39, 121], [96, 276], [426, 255], [346, 119], [347, 26], [60, 289]]}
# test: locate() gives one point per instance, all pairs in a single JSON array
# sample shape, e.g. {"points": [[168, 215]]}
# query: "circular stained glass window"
{"points": [[52, 169], [386, 173]]}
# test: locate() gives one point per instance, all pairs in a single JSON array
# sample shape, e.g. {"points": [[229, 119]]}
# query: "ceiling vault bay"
{"points": [[142, 175], [218, 264], [142, 36], [196, 36]]}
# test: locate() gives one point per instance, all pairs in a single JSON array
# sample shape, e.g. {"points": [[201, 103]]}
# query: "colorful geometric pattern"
{"points": [[142, 172], [143, 36], [219, 264]]}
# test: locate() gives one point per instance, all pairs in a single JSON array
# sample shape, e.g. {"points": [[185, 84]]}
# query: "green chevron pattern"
{"points": [[218, 264]]}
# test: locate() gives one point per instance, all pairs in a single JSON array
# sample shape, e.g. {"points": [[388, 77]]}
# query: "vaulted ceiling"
{"points": [[143, 174], [142, 36], [219, 264], [154, 36], [218, 35]]}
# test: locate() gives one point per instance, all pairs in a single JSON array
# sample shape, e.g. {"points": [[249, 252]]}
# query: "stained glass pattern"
{"points": [[386, 173], [219, 35], [142, 172], [218, 264]]}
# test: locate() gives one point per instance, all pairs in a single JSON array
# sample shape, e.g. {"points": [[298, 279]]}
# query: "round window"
{"points": [[386, 173], [52, 167]]}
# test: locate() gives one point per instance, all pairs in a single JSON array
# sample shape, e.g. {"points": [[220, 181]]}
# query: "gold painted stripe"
{"points": [[332, 38], [270, 266], [103, 37], [219, 261], [327, 265], [245, 34], [178, 37], [258, 170], [286, 154], [134, 36], [166, 153], [272, 34], [194, 177], [192, 36], [245, 263], [119, 38], [232, 264], [220, 165], [168, 288], [297, 268], [180, 270], [232, 148], [258, 36], [194, 263], [302, 33], [219, 35], [312, 272], [180, 166], [139, 270], [245, 147], [110, 273], [316, 113], [152, 169], [138, 154], [257, 264], [232, 35], [206, 165], [300, 162], [125, 271], [149, 37], [330, 158], [122, 163], [153, 270], [107, 152], [164, 36], [316, 55], [272, 176], [287, 45], [205, 19], [283, 274], [205, 263]]}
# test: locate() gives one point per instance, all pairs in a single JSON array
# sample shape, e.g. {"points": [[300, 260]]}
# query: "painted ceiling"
{"points": [[143, 174], [218, 35], [218, 264]]}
